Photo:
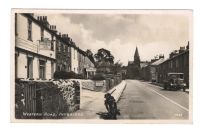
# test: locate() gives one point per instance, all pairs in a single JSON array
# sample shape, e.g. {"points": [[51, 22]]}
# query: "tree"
{"points": [[104, 60], [104, 56], [116, 68], [90, 55]]}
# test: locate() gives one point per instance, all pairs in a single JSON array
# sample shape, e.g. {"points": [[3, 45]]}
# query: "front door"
{"points": [[30, 67]]}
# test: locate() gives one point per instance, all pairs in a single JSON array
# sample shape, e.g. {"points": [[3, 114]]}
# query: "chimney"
{"points": [[59, 34], [161, 56], [187, 47], [172, 54], [182, 49]]}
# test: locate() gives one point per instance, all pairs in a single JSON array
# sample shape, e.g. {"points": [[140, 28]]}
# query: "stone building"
{"points": [[63, 53], [85, 65], [134, 67], [149, 72], [178, 62]]}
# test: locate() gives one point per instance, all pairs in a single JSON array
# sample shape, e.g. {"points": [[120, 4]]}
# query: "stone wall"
{"points": [[46, 99], [102, 85]]}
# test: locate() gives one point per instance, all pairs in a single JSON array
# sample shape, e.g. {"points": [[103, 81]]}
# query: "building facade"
{"points": [[178, 62], [34, 47], [74, 59], [150, 71], [40, 50], [63, 53]]}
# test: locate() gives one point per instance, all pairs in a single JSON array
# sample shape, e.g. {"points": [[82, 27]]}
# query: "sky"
{"points": [[153, 34]]}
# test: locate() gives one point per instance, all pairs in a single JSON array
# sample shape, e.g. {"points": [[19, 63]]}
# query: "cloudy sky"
{"points": [[120, 33]]}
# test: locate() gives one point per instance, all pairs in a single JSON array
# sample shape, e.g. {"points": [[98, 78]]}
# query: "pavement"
{"points": [[142, 100], [117, 90], [93, 102]]}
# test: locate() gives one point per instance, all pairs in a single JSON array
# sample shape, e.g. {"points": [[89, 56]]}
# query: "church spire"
{"points": [[137, 57]]}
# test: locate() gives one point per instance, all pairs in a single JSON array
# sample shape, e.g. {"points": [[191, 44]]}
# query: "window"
{"points": [[29, 67], [52, 43], [64, 48], [42, 34], [52, 69], [16, 65], [170, 64], [77, 53], [29, 30], [74, 53], [59, 46], [41, 69], [176, 63], [68, 51], [16, 24]]}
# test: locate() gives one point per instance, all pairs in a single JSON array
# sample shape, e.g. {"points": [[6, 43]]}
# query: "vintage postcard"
{"points": [[101, 66]]}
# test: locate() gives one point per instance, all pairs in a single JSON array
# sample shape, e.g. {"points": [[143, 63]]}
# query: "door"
{"points": [[30, 67], [42, 69]]}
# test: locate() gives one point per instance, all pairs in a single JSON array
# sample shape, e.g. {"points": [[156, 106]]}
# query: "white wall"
{"points": [[22, 38], [22, 66], [35, 68], [74, 60], [22, 26]]}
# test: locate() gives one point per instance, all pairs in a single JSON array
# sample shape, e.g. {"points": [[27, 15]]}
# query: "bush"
{"points": [[79, 76], [98, 77], [64, 75], [67, 75]]}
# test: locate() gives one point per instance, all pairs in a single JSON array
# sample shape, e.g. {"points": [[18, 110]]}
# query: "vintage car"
{"points": [[174, 81]]}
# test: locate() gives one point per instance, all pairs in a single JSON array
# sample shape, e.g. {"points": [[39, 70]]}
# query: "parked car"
{"points": [[175, 81]]}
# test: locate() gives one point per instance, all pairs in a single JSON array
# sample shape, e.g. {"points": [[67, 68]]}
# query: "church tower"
{"points": [[137, 58], [134, 68]]}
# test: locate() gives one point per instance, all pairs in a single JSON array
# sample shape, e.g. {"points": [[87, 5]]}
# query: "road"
{"points": [[142, 100]]}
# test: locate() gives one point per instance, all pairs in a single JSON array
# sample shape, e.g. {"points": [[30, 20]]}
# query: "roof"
{"points": [[130, 62], [174, 73], [143, 65], [158, 61], [186, 51]]}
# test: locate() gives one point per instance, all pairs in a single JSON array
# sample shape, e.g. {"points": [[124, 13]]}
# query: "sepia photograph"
{"points": [[131, 66]]}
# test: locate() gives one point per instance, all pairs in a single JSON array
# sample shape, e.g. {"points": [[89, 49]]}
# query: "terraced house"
{"points": [[40, 50], [63, 53], [34, 47]]}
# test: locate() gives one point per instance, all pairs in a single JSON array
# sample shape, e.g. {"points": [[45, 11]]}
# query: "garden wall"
{"points": [[46, 99]]}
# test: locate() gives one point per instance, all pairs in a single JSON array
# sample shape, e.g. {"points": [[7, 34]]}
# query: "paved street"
{"points": [[142, 100]]}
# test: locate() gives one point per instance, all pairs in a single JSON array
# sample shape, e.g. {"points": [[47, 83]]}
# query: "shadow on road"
{"points": [[104, 115], [107, 116]]}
